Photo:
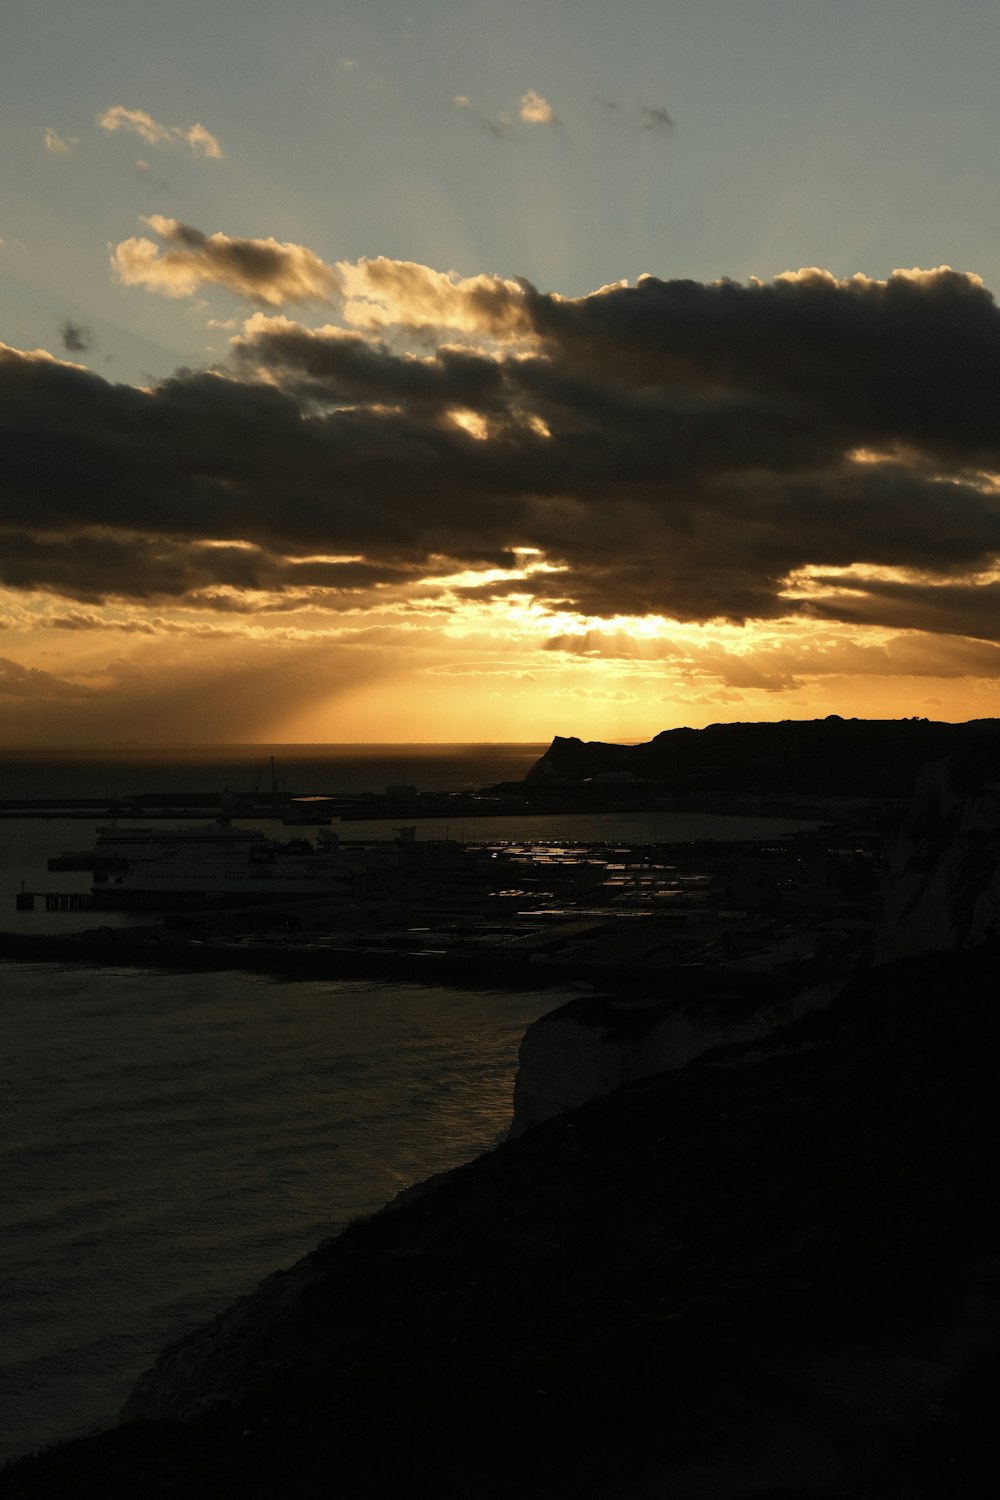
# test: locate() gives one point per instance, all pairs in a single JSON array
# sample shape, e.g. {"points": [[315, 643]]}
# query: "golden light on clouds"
{"points": [[836, 580], [535, 110], [438, 657], [456, 500], [381, 292], [139, 122], [869, 456], [261, 270], [471, 422], [421, 660], [59, 145], [343, 413]]}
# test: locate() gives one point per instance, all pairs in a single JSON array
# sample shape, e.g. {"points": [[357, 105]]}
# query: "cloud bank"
{"points": [[812, 448]]}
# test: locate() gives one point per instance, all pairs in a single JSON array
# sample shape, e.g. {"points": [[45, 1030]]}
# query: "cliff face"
{"points": [[942, 891], [592, 1046]]}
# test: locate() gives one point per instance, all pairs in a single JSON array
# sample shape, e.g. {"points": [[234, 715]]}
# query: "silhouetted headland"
{"points": [[832, 757]]}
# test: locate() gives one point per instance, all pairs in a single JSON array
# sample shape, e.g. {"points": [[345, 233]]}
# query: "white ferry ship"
{"points": [[119, 845], [115, 841], [242, 871]]}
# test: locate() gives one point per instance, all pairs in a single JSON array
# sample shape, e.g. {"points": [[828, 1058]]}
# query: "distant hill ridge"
{"points": [[835, 756]]}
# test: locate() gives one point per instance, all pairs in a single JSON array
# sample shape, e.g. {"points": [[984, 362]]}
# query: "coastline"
{"points": [[175, 1135], [493, 968], [488, 968]]}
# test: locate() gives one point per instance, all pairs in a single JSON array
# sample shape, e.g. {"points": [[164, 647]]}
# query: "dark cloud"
{"points": [[76, 337], [19, 682], [905, 655], [672, 448], [970, 609], [79, 619], [346, 367], [264, 271], [92, 568], [915, 359], [499, 127], [655, 117]]}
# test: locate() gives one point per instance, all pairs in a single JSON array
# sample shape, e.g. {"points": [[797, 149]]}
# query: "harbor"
{"points": [[603, 880], [535, 911]]}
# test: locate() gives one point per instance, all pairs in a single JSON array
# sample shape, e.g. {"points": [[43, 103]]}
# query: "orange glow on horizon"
{"points": [[449, 667]]}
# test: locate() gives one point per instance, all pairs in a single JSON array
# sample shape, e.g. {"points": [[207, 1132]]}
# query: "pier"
{"points": [[55, 900]]}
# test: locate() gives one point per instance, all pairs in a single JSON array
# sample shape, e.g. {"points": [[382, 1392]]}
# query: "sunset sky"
{"points": [[456, 371]]}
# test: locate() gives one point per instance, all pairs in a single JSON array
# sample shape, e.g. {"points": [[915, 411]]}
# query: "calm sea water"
{"points": [[169, 1139], [128, 770]]}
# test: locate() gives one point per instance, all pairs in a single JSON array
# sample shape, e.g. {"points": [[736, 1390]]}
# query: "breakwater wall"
{"points": [[487, 968], [491, 969]]}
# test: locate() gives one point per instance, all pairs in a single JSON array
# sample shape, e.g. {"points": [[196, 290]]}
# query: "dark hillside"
{"points": [[833, 756], [774, 1272]]}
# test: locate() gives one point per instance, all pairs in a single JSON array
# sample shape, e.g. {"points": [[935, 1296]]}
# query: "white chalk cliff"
{"points": [[596, 1044], [942, 894], [942, 890]]}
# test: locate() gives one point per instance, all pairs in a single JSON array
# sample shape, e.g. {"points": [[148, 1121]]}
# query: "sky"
{"points": [[456, 371]]}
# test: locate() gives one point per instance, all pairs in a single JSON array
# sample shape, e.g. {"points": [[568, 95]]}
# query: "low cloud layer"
{"points": [[22, 684], [808, 447]]}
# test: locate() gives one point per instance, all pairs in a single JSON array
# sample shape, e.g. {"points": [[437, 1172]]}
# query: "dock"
{"points": [[55, 900]]}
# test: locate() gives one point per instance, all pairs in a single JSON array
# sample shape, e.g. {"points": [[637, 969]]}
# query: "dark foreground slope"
{"points": [[772, 1273]]}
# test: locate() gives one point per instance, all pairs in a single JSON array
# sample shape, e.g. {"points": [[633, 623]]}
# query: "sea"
{"points": [[170, 1138]]}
